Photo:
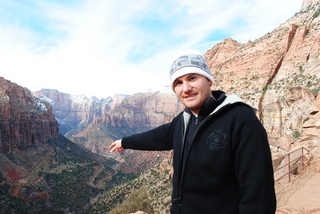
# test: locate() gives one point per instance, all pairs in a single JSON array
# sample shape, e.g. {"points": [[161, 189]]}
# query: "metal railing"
{"points": [[289, 164]]}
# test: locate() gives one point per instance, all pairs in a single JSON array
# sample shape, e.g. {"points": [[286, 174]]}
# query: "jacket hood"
{"points": [[229, 100], [232, 99]]}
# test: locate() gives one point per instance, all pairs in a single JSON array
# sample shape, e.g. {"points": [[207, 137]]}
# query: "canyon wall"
{"points": [[143, 110], [75, 112], [24, 120], [280, 74]]}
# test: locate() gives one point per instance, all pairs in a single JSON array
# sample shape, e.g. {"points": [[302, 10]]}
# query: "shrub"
{"points": [[137, 201], [316, 14], [296, 134]]}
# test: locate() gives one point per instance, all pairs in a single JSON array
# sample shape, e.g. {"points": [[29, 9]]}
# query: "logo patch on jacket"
{"points": [[216, 140]]}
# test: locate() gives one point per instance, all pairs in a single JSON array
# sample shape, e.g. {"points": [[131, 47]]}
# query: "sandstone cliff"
{"points": [[143, 110], [75, 112], [24, 120], [279, 73]]}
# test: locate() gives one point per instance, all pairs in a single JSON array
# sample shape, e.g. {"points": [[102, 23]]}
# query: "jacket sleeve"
{"points": [[253, 167], [155, 139]]}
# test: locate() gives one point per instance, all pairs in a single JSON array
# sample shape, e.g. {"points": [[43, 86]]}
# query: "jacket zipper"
{"points": [[178, 199]]}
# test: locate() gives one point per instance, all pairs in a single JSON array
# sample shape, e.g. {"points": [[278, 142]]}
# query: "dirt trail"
{"points": [[97, 171], [302, 194]]}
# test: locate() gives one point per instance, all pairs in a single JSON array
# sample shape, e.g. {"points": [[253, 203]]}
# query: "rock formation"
{"points": [[74, 112], [24, 120], [143, 110], [279, 73]]}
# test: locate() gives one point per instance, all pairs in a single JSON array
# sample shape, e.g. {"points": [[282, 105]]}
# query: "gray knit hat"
{"points": [[187, 63]]}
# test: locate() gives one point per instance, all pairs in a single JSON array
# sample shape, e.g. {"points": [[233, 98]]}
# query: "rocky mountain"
{"points": [[143, 110], [75, 112], [41, 171], [279, 73], [24, 119]]}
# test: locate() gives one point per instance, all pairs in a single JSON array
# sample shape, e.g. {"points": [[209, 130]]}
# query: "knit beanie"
{"points": [[190, 62]]}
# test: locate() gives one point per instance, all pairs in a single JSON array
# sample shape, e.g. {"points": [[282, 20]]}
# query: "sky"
{"points": [[106, 47]]}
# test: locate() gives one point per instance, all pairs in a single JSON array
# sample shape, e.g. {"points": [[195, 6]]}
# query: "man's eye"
{"points": [[177, 83]]}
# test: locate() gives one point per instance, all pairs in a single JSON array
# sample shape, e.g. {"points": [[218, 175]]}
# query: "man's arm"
{"points": [[159, 138], [254, 170]]}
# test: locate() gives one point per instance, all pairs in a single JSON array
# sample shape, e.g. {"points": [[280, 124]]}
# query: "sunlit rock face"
{"points": [[280, 74], [24, 119], [74, 112]]}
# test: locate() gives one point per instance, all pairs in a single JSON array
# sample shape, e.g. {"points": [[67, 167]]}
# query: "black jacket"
{"points": [[227, 166]]}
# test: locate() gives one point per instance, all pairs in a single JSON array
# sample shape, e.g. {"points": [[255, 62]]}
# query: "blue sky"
{"points": [[107, 47]]}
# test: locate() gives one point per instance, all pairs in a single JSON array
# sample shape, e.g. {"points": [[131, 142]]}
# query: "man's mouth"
{"points": [[189, 97]]}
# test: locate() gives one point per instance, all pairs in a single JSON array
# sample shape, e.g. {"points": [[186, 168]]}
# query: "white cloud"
{"points": [[103, 47]]}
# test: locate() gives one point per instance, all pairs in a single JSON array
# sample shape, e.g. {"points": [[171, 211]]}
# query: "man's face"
{"points": [[193, 90]]}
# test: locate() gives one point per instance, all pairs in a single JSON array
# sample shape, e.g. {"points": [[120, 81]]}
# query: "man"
{"points": [[222, 160]]}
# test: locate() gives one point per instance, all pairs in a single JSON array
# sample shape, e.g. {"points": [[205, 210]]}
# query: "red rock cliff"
{"points": [[24, 119]]}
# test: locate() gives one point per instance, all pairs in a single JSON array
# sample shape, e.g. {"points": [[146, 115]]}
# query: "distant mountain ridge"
{"points": [[74, 112]]}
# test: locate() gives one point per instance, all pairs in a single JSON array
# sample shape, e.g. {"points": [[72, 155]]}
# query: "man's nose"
{"points": [[186, 87]]}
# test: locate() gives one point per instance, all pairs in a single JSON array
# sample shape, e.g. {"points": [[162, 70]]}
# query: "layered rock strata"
{"points": [[24, 119], [279, 73]]}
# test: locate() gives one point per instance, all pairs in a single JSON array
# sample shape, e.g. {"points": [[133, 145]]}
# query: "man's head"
{"points": [[189, 62], [191, 80]]}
